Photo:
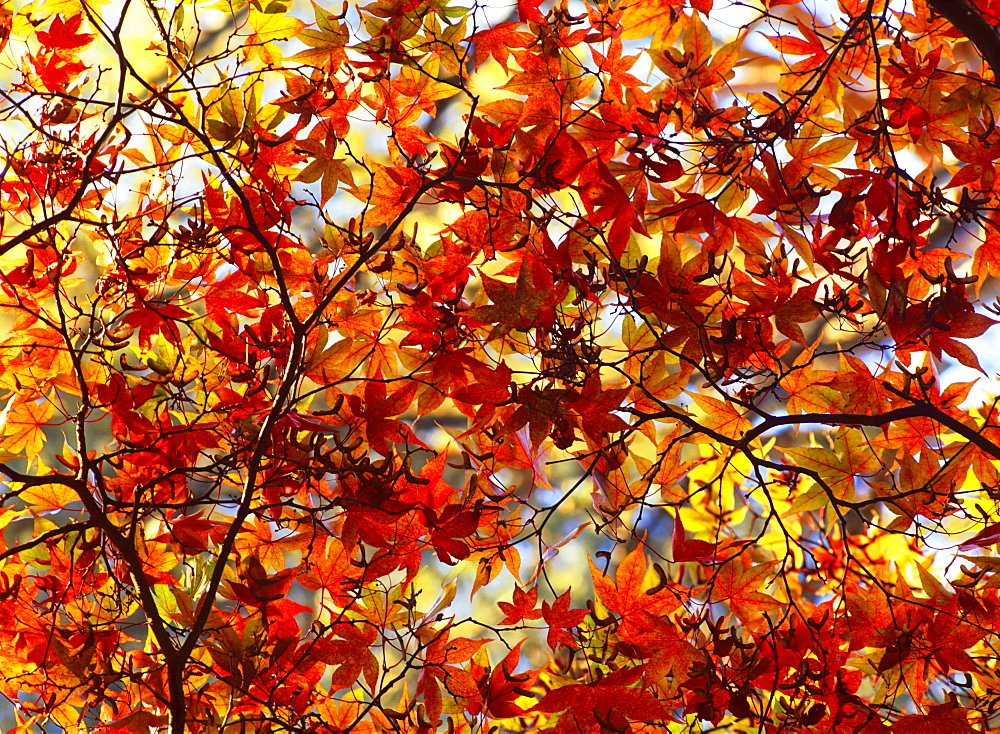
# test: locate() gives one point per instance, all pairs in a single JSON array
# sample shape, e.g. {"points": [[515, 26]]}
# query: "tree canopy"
{"points": [[428, 365]]}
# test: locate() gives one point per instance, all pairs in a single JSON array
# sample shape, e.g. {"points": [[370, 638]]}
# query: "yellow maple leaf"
{"points": [[269, 25], [48, 497], [273, 26], [21, 424], [852, 457]]}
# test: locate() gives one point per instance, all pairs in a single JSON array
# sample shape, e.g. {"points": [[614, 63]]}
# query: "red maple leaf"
{"points": [[376, 406], [609, 702], [627, 597], [528, 10], [606, 201], [498, 41], [504, 687], [596, 407], [560, 619], [56, 72], [64, 34], [685, 549], [521, 607]]}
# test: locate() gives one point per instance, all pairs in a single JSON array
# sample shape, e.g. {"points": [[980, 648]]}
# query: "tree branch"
{"points": [[983, 34]]}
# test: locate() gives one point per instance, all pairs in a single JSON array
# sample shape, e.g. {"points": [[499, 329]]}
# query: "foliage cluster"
{"points": [[311, 313]]}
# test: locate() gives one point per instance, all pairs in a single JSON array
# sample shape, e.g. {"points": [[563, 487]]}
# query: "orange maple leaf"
{"points": [[738, 583], [626, 596]]}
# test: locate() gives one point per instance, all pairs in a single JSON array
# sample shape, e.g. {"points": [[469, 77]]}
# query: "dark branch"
{"points": [[983, 34]]}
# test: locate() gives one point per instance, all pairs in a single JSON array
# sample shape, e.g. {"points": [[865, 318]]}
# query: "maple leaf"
{"points": [[606, 200], [64, 34], [671, 468], [685, 549], [857, 389], [528, 10], [503, 687], [513, 308], [986, 259], [137, 721], [809, 44], [351, 651], [391, 191], [949, 636], [596, 407], [21, 424], [272, 24], [987, 536], [962, 326], [669, 652], [260, 587], [490, 386], [521, 607], [810, 390], [422, 89], [627, 597], [565, 159], [852, 457], [327, 44], [945, 717], [332, 171], [57, 71], [612, 700], [870, 618], [497, 42], [160, 319], [642, 19], [221, 304], [376, 406], [448, 527], [617, 66], [442, 657], [738, 582], [560, 618], [329, 567], [721, 416], [52, 497], [192, 532], [6, 24]]}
